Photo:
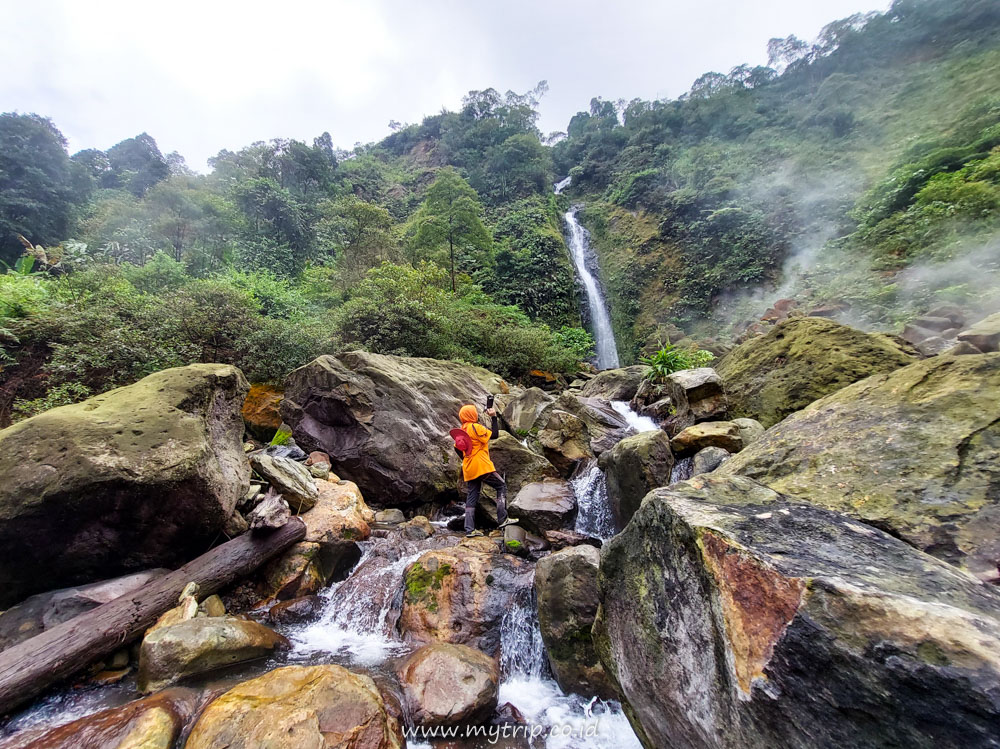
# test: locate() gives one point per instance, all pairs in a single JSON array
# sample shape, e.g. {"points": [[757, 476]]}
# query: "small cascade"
{"points": [[562, 185], [566, 721], [593, 514], [357, 623], [637, 421]]}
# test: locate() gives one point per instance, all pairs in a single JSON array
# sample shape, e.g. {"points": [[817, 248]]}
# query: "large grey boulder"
{"points": [[193, 646], [290, 479], [384, 420], [139, 477], [548, 505], [984, 335], [733, 616], [615, 384], [633, 468], [915, 452], [521, 412], [566, 589]]}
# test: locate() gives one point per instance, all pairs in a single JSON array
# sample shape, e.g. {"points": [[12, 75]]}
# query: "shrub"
{"points": [[670, 359]]}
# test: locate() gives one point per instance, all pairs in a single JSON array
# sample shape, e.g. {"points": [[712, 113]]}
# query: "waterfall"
{"points": [[583, 257], [593, 515]]}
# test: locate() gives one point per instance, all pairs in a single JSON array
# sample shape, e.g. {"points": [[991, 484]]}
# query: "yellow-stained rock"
{"points": [[299, 707], [150, 723]]}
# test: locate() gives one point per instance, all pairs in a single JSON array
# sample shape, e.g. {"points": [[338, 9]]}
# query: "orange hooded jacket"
{"points": [[477, 461]]}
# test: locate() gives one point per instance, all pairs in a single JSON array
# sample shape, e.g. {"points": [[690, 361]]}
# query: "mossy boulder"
{"points": [[984, 335], [544, 506], [566, 589], [915, 452], [518, 464], [634, 467], [139, 477], [459, 594], [801, 360], [735, 616]]}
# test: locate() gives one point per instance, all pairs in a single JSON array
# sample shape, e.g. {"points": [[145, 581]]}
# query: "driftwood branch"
{"points": [[28, 668]]}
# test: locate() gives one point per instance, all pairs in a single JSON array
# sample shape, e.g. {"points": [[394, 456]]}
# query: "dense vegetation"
{"points": [[867, 153], [860, 170]]}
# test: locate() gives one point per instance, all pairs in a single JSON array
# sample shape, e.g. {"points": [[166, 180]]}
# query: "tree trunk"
{"points": [[60, 652]]}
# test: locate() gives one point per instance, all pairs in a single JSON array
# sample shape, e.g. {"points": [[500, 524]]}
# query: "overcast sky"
{"points": [[206, 75]]}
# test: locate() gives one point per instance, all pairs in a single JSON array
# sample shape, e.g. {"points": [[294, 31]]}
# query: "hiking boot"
{"points": [[508, 521], [474, 534]]}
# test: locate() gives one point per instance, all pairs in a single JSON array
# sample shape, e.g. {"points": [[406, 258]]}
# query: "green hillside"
{"points": [[860, 170]]}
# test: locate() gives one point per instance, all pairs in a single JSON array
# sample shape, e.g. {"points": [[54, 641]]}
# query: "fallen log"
{"points": [[31, 666]]}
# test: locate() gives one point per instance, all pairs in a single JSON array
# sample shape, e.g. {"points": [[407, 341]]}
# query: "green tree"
{"points": [[358, 234], [450, 221], [36, 193]]}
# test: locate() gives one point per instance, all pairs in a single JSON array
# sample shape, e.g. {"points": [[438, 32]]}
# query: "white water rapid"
{"points": [[570, 721]]}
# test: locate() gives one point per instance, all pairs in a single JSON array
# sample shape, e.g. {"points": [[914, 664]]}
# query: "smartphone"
{"points": [[489, 402]]}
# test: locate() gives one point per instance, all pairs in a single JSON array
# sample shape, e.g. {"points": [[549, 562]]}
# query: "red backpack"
{"points": [[462, 440]]}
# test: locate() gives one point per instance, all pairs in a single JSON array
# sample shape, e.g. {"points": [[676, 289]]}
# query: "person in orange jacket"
{"points": [[478, 469]]}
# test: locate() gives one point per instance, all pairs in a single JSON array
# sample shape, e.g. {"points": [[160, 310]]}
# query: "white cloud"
{"points": [[201, 76]]}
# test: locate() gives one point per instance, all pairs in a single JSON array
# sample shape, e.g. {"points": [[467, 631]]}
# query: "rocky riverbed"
{"points": [[679, 575]]}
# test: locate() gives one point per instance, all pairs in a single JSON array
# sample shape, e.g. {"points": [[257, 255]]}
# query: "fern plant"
{"points": [[670, 359]]}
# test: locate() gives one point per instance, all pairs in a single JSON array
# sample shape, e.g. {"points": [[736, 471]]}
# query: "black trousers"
{"points": [[475, 490]]}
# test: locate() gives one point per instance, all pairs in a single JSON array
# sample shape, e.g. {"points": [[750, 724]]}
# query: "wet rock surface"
{"points": [[447, 685], [633, 468], [295, 707], [202, 644], [915, 452], [734, 616], [544, 506], [459, 594], [151, 723]]}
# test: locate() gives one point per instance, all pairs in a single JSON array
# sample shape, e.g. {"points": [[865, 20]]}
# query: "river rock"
{"points": [[566, 589], [296, 611], [545, 505], [392, 516], [447, 685], [261, 412], [271, 513], [384, 420], [734, 616], [801, 360], [139, 477], [294, 707], [750, 430], [45, 610], [459, 594], [418, 528], [289, 478], [915, 452], [303, 570], [202, 644], [708, 459], [518, 464], [633, 468], [562, 539], [984, 335], [724, 434], [151, 723], [521, 412], [615, 384]]}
